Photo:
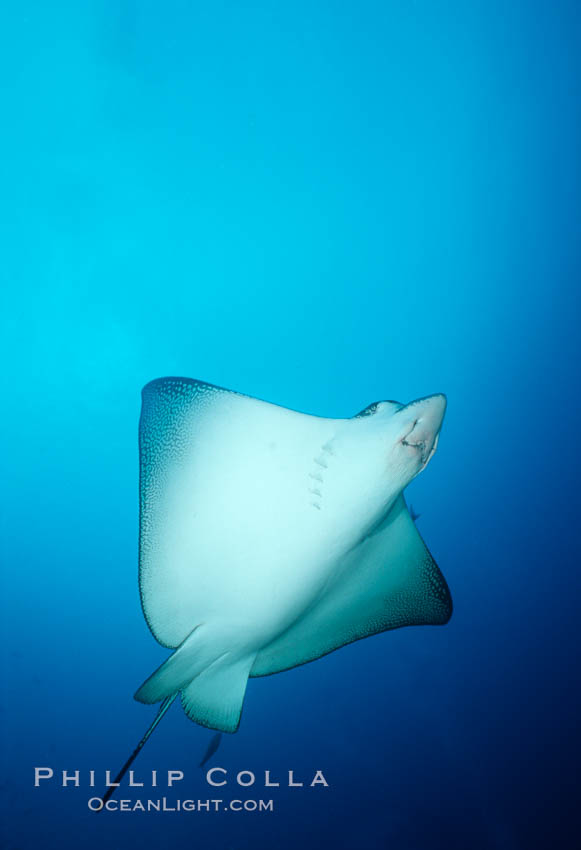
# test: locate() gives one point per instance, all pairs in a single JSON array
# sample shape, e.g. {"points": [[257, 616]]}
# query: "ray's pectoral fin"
{"points": [[212, 680], [389, 580]]}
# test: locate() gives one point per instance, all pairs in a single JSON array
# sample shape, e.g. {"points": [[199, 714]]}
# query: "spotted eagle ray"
{"points": [[269, 538]]}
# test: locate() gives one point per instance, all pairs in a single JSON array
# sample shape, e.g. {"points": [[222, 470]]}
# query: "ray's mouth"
{"points": [[424, 446]]}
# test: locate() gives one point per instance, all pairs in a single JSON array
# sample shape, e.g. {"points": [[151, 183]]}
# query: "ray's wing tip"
{"points": [[447, 616], [157, 383], [447, 605], [178, 382]]}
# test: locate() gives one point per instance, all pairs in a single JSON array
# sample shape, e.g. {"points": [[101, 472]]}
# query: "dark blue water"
{"points": [[320, 204]]}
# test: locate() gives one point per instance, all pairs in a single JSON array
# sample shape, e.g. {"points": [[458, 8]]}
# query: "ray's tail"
{"points": [[166, 704]]}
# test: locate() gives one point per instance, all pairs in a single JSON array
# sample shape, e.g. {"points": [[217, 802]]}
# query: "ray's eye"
{"points": [[384, 406]]}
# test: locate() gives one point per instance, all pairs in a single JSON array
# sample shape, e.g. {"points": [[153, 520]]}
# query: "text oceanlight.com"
{"points": [[165, 805]]}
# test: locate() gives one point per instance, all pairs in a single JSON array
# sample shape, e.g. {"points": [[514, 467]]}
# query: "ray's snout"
{"points": [[430, 411], [424, 419]]}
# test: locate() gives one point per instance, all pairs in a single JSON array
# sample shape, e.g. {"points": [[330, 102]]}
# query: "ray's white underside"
{"points": [[266, 541]]}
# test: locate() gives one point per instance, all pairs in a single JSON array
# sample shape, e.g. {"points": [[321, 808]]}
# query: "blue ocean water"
{"points": [[319, 204]]}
